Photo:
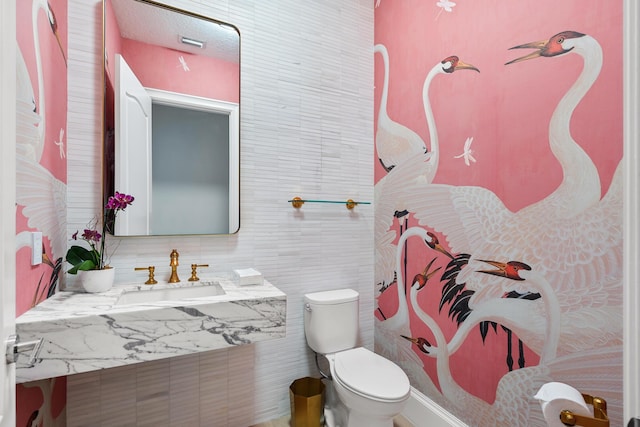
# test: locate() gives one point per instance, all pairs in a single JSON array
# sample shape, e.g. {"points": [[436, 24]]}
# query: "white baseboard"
{"points": [[422, 411]]}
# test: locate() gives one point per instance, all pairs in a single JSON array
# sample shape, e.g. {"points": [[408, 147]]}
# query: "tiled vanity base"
{"points": [[87, 332]]}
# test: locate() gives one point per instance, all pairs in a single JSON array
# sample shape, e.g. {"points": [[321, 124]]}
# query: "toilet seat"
{"points": [[372, 376]]}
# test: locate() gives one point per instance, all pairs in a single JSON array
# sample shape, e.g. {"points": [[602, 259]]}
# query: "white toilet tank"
{"points": [[331, 320]]}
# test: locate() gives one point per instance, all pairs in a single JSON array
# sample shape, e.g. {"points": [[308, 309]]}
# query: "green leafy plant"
{"points": [[93, 258]]}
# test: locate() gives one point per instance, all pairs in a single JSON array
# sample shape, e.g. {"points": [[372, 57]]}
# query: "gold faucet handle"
{"points": [[151, 269], [194, 273]]}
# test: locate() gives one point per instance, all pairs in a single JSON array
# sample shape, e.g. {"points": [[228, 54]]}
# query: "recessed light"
{"points": [[192, 42]]}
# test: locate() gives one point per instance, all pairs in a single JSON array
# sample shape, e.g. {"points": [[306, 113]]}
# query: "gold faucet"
{"points": [[174, 267]]}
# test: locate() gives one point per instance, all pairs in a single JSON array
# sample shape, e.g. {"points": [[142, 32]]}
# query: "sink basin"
{"points": [[169, 294]]}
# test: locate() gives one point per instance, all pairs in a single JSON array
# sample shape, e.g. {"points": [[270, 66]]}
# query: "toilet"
{"points": [[371, 390]]}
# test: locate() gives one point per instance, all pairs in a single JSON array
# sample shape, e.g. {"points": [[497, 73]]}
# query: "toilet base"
{"points": [[333, 418], [336, 413], [365, 420]]}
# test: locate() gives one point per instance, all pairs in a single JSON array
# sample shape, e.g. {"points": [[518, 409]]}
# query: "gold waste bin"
{"points": [[307, 402]]}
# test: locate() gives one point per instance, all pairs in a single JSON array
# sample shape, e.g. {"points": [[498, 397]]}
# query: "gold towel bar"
{"points": [[297, 202]]}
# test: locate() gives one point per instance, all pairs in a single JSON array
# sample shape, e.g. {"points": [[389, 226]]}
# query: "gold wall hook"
{"points": [[194, 272], [151, 280]]}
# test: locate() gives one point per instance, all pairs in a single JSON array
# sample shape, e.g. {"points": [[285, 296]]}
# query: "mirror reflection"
{"points": [[172, 92]]}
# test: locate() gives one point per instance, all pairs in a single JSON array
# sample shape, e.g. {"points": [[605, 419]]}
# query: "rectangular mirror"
{"points": [[171, 126]]}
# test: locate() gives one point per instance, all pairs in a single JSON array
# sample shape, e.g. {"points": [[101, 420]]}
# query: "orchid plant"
{"points": [[94, 258]]}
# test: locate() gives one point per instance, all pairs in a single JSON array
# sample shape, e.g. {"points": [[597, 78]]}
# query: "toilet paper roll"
{"points": [[556, 397]]}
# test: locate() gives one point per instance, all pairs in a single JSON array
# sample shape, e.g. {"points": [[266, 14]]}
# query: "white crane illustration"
{"points": [[395, 143], [389, 332], [417, 166], [514, 405], [571, 237], [42, 195], [474, 409], [446, 66]]}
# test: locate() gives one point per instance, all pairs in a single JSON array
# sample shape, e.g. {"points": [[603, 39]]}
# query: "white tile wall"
{"points": [[307, 130]]}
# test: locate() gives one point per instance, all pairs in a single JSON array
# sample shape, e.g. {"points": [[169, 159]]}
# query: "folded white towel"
{"points": [[248, 276]]}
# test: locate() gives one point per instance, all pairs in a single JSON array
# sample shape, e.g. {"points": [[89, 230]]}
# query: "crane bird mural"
{"points": [[41, 165], [404, 150], [511, 406], [545, 191], [397, 144]]}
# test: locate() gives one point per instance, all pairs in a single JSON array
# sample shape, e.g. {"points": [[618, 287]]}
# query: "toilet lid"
{"points": [[370, 374]]}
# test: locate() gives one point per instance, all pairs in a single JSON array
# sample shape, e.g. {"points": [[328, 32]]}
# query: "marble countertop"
{"points": [[85, 332]]}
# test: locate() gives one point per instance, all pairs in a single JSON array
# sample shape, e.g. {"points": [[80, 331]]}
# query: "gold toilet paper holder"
{"points": [[600, 418]]}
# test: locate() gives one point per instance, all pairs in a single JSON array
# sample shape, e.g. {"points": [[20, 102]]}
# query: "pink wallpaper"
{"points": [[112, 39], [521, 168], [41, 174], [181, 72], [167, 69], [41, 145]]}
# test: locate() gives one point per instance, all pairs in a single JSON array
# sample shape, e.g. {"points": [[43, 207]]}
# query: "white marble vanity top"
{"points": [[84, 332], [80, 304]]}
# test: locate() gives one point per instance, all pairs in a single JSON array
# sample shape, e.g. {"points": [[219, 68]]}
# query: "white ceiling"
{"points": [[163, 27]]}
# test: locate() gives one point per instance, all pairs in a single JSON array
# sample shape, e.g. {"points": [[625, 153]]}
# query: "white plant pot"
{"points": [[97, 280]]}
